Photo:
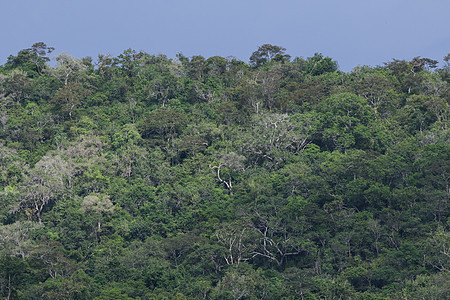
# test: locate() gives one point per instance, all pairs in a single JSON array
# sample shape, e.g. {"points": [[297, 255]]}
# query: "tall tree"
{"points": [[32, 59], [267, 53]]}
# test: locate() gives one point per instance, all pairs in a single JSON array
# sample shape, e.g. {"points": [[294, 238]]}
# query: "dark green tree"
{"points": [[268, 53]]}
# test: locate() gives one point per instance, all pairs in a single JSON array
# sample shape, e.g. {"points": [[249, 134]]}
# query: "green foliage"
{"points": [[267, 53], [144, 177], [162, 125], [318, 65], [344, 119]]}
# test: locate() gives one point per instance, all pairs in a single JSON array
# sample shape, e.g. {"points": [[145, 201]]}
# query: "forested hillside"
{"points": [[146, 177]]}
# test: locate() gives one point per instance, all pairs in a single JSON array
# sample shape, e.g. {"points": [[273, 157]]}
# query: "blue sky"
{"points": [[350, 31]]}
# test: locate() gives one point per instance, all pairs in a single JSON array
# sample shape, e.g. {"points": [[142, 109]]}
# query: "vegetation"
{"points": [[145, 177]]}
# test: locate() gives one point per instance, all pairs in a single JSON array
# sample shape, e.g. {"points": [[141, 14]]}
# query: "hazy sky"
{"points": [[350, 31]]}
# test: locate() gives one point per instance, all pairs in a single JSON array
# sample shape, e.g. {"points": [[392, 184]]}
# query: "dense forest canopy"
{"points": [[146, 177]]}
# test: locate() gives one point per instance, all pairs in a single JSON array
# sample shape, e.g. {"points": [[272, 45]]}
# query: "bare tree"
{"points": [[236, 238]]}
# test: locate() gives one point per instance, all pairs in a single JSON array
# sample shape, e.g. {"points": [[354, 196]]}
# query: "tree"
{"points": [[196, 68], [249, 92], [230, 161], [69, 68], [13, 274], [104, 64], [268, 53], [15, 238], [240, 283], [17, 85], [440, 109], [236, 237], [318, 65], [40, 58], [437, 249], [53, 255], [11, 166], [129, 61], [97, 204], [38, 190], [308, 92], [375, 86], [131, 155], [217, 66], [345, 117], [277, 238], [270, 84], [53, 176], [416, 116], [162, 124], [272, 135], [420, 64], [31, 60], [75, 286], [410, 73], [69, 97]]}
